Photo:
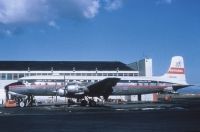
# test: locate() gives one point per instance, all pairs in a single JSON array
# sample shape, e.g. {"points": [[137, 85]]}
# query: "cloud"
{"points": [[17, 11], [164, 2], [113, 4], [5, 32], [21, 13], [32, 11], [8, 31], [53, 24], [74, 8]]}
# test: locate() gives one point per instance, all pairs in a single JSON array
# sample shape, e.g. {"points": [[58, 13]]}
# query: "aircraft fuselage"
{"points": [[121, 88]]}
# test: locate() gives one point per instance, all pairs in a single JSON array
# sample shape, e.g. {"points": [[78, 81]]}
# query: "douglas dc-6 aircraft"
{"points": [[27, 87]]}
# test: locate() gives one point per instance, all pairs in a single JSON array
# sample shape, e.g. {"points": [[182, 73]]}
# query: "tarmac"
{"points": [[183, 116]]}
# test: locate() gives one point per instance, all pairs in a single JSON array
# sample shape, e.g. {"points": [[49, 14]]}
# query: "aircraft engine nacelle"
{"points": [[71, 89], [62, 92], [74, 89]]}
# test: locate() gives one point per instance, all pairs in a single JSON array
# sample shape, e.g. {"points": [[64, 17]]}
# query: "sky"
{"points": [[106, 30]]}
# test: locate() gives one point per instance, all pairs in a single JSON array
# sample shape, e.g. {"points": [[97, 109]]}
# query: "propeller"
{"points": [[65, 89], [56, 92]]}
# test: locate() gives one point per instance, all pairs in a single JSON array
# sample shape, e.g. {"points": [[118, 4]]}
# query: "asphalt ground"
{"points": [[131, 117]]}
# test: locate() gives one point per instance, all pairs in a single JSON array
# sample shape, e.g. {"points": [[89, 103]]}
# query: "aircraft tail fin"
{"points": [[176, 70]]}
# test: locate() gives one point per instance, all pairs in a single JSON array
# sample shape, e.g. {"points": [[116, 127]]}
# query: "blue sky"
{"points": [[122, 30]]}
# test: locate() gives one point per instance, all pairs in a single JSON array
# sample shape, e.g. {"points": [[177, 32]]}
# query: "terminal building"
{"points": [[11, 71]]}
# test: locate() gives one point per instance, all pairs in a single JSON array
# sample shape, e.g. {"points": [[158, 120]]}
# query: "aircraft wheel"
{"points": [[92, 103], [83, 103], [22, 104]]}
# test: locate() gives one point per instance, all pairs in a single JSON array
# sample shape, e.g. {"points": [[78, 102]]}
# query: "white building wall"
{"points": [[2, 96], [123, 98], [134, 97], [147, 70], [145, 67], [148, 67], [147, 97], [3, 83]]}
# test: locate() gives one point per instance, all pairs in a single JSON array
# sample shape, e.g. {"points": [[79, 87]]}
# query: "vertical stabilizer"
{"points": [[177, 70]]}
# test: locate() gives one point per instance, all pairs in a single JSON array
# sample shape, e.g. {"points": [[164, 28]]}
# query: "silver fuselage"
{"points": [[121, 88]]}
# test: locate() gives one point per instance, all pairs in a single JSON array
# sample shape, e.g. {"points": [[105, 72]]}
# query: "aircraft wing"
{"points": [[102, 88]]}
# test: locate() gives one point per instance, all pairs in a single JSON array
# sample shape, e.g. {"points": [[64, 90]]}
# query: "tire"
{"points": [[83, 103], [92, 103], [22, 104]]}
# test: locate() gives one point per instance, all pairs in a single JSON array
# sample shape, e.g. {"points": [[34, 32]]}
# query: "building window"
{"points": [[44, 74], [21, 75], [110, 74], [78, 74], [120, 74], [3, 76], [67, 74], [125, 74], [93, 74], [99, 74], [26, 74], [130, 74], [136, 74], [15, 76], [114, 74], [72, 74], [33, 74], [83, 74], [105, 74], [9, 76], [89, 74]]}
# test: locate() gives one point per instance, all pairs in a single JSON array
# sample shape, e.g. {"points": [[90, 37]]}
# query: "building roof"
{"points": [[63, 66]]}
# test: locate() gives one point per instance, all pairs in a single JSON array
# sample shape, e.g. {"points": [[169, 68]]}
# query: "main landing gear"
{"points": [[90, 102], [25, 102], [84, 102]]}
